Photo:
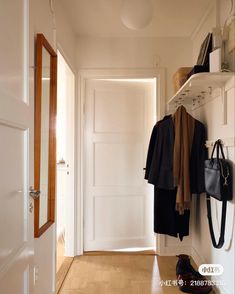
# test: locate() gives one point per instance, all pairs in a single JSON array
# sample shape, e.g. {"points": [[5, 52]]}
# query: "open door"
{"points": [[65, 169], [16, 209]]}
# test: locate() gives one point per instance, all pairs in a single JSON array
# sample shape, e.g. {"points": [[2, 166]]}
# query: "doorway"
{"points": [[65, 168], [118, 203]]}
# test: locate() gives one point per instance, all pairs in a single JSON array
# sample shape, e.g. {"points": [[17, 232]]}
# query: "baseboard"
{"points": [[102, 253], [196, 256], [175, 250], [62, 273], [199, 259]]}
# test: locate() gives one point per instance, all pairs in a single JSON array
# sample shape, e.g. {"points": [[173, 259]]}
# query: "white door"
{"points": [[16, 230], [65, 154], [118, 204]]}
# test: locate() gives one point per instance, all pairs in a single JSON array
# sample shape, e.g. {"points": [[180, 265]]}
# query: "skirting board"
{"points": [[198, 259], [62, 273], [175, 250]]}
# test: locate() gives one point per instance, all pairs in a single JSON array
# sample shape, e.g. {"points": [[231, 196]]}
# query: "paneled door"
{"points": [[118, 204], [16, 230]]}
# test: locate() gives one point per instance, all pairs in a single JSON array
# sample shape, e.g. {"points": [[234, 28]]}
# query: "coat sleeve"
{"points": [[150, 151], [198, 156]]}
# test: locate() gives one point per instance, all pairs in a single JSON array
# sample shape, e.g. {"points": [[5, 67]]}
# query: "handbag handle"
{"points": [[218, 146], [220, 243]]}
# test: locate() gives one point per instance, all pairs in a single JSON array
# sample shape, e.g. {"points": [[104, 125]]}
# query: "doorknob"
{"points": [[34, 193]]}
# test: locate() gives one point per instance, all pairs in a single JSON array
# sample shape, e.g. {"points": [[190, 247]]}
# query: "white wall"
{"points": [[170, 53], [211, 115], [224, 7], [58, 30], [216, 16], [65, 36], [202, 30], [223, 18]]}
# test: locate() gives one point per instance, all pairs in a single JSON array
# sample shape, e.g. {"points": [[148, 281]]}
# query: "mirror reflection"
{"points": [[44, 158]]}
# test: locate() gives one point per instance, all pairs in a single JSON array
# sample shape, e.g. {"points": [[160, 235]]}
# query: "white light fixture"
{"points": [[136, 14]]}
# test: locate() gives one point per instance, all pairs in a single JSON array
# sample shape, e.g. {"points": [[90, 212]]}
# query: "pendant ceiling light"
{"points": [[136, 14]]}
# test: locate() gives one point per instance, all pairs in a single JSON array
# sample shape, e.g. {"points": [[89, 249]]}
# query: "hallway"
{"points": [[109, 112], [112, 273]]}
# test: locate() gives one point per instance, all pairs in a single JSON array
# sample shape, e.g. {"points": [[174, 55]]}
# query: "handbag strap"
{"points": [[220, 147], [223, 221], [213, 150]]}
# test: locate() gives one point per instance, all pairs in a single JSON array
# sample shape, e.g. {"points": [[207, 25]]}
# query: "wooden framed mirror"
{"points": [[44, 136]]}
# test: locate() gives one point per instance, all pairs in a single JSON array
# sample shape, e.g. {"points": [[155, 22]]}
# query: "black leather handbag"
{"points": [[218, 184]]}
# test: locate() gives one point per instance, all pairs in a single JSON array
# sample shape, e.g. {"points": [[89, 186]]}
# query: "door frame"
{"points": [[72, 218], [83, 76]]}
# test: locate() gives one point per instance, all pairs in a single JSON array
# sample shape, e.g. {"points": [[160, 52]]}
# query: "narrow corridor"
{"points": [[121, 274]]}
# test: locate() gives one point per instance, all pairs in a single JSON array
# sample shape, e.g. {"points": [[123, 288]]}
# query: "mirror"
{"points": [[45, 136]]}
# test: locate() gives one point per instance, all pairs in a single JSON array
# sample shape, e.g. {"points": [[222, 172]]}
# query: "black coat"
{"points": [[159, 164], [159, 172]]}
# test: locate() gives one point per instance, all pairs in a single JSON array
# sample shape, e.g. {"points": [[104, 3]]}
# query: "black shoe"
{"points": [[190, 280], [184, 266]]}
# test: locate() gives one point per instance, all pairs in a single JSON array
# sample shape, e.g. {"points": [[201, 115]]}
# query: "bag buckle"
{"points": [[225, 181]]}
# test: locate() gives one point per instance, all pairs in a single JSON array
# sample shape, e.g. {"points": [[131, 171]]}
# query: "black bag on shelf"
{"points": [[203, 57], [218, 184], [197, 69]]}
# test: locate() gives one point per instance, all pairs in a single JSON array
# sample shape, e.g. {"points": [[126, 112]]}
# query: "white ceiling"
{"points": [[101, 18]]}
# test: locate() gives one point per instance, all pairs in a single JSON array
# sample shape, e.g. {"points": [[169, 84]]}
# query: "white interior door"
{"points": [[65, 154], [16, 230], [118, 204]]}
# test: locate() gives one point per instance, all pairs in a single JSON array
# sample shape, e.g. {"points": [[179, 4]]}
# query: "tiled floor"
{"points": [[121, 274]]}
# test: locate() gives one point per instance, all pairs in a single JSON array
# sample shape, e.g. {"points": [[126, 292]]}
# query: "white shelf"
{"points": [[198, 86]]}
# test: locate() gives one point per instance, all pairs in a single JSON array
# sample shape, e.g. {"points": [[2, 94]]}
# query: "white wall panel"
{"points": [[113, 117], [119, 164], [12, 69], [124, 228], [20, 276]]}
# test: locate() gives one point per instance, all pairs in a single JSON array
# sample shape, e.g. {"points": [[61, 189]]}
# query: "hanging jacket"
{"points": [[159, 164]]}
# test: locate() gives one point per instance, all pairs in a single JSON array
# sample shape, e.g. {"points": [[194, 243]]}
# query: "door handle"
{"points": [[61, 161], [34, 193]]}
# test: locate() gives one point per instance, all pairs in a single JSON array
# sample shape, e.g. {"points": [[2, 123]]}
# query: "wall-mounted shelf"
{"points": [[198, 86]]}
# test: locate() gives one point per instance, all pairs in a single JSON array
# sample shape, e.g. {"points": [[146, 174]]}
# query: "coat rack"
{"points": [[198, 88], [226, 142]]}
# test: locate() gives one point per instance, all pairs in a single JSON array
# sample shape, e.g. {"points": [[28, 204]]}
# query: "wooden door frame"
{"points": [[89, 74]]}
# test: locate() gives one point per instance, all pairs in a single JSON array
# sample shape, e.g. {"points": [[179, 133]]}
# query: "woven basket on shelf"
{"points": [[180, 77]]}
